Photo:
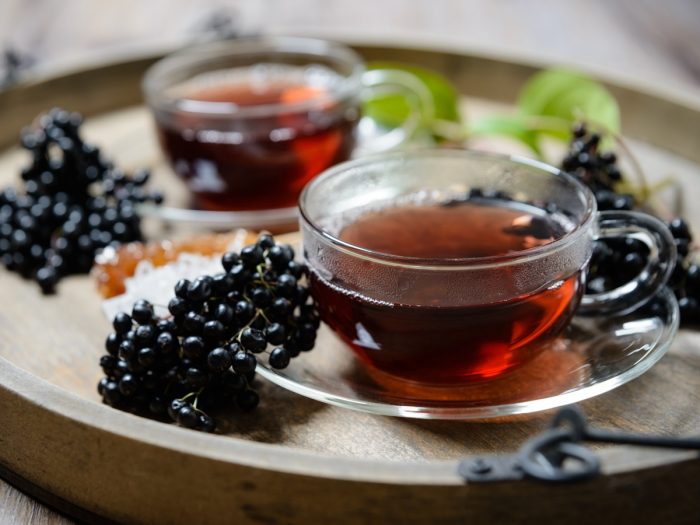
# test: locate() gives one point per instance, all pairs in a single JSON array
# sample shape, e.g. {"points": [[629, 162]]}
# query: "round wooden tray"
{"points": [[295, 460]]}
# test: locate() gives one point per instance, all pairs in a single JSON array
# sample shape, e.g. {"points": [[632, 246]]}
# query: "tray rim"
{"points": [[672, 95], [46, 397], [675, 91]]}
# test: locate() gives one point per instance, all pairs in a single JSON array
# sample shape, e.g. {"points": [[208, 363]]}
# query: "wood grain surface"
{"points": [[644, 40], [638, 40]]}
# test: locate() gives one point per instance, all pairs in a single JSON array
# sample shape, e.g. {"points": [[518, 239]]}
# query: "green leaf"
{"points": [[549, 103], [392, 110], [389, 111], [570, 96], [513, 126]]}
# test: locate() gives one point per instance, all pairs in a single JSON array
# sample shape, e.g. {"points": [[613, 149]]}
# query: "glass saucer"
{"points": [[177, 210], [595, 355]]}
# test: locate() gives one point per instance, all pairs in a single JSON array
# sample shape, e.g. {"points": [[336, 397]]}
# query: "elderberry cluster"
{"points": [[596, 169], [616, 261], [685, 280], [202, 356], [73, 203]]}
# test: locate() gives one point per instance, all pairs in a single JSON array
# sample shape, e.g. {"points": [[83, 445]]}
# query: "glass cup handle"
{"points": [[660, 263], [381, 82]]}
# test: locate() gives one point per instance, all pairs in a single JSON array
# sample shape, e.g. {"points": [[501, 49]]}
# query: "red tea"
{"points": [[258, 161], [432, 342]]}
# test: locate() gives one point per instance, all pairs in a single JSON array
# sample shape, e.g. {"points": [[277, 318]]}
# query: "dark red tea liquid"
{"points": [[257, 162], [430, 342]]}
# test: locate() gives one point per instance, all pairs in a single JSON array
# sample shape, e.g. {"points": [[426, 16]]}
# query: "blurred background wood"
{"points": [[644, 40], [641, 40]]}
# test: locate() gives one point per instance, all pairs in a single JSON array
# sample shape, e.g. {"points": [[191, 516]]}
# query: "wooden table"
{"points": [[640, 40]]}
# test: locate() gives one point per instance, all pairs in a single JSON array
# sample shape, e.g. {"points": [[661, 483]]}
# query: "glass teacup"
{"points": [[247, 123], [445, 267]]}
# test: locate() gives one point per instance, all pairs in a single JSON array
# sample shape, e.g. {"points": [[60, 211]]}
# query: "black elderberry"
{"points": [[134, 366], [251, 256], [224, 314], [244, 311], [193, 346], [196, 378], [682, 247], [692, 279], [122, 368], [634, 262], [261, 297], [199, 289], [232, 383], [127, 350], [149, 380], [47, 277], [166, 343], [142, 312], [247, 400], [279, 358], [122, 323], [679, 229], [112, 343], [219, 359], [108, 363], [306, 332], [275, 333], [181, 288], [187, 417], [229, 260], [286, 285], [240, 275], [689, 309], [101, 385], [279, 257], [265, 241], [147, 357], [244, 362], [280, 309], [222, 284], [253, 340], [145, 334], [292, 347], [174, 408], [166, 325], [128, 385], [206, 423], [296, 269], [194, 322], [259, 322], [177, 306], [233, 297], [111, 394], [301, 295], [213, 331]]}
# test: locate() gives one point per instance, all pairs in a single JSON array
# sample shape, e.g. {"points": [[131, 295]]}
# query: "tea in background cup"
{"points": [[247, 123], [445, 267]]}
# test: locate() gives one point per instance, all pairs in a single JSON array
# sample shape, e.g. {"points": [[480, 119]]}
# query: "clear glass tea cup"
{"points": [[247, 123], [450, 320]]}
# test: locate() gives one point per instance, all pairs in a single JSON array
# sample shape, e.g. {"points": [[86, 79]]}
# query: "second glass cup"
{"points": [[446, 267], [247, 123]]}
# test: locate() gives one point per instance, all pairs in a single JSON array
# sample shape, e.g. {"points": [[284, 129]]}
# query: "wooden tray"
{"points": [[296, 460]]}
